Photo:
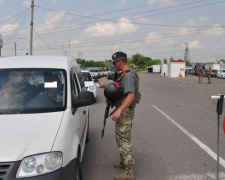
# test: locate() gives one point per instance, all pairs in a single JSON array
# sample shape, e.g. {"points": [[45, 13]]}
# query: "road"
{"points": [[174, 132]]}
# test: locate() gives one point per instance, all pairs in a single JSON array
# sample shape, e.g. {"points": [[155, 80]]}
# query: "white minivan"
{"points": [[44, 118]]}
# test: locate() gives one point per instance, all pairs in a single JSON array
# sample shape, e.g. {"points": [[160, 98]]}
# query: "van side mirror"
{"points": [[86, 98]]}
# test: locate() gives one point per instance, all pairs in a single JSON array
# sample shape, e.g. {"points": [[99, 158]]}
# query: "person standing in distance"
{"points": [[124, 114], [209, 75], [200, 74]]}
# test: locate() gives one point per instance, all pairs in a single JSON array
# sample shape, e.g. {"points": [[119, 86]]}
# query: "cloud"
{"points": [[9, 27], [27, 4], [193, 44], [153, 2], [122, 2], [51, 19], [152, 38], [203, 19], [124, 26], [215, 30]]}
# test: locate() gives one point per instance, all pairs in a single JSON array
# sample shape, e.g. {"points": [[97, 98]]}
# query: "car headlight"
{"points": [[40, 164], [90, 88]]}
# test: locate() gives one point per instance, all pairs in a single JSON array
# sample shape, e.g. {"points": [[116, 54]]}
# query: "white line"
{"points": [[196, 140]]}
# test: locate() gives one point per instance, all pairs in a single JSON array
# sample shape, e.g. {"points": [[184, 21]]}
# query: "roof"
{"points": [[84, 71], [59, 62]]}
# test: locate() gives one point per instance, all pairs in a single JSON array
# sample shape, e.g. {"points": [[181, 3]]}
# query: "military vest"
{"points": [[137, 95]]}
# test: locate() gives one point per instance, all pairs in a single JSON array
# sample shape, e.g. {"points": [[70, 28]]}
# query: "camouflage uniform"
{"points": [[200, 74], [209, 76], [124, 124]]}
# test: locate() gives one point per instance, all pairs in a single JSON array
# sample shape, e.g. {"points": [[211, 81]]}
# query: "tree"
{"points": [[188, 63], [171, 59], [141, 61], [222, 60], [164, 61], [156, 62]]}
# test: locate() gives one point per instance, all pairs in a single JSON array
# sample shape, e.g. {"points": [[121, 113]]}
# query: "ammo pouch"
{"points": [[138, 97]]}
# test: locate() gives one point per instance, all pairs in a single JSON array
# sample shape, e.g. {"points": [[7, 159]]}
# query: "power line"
{"points": [[166, 25], [14, 16]]}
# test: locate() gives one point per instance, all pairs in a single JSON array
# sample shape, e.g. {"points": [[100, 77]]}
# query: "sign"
{"points": [[181, 69]]}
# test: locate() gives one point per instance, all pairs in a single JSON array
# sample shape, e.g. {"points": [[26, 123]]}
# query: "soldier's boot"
{"points": [[119, 166], [128, 174]]}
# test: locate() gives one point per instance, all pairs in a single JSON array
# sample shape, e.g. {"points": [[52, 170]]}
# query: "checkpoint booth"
{"points": [[175, 69]]}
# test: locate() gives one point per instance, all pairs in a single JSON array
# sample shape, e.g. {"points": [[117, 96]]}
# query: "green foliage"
{"points": [[141, 62], [171, 59], [93, 63], [188, 63], [223, 60], [209, 63], [164, 61]]}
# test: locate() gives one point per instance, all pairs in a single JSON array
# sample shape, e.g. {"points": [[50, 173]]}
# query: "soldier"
{"points": [[123, 116], [209, 75], [200, 74]]}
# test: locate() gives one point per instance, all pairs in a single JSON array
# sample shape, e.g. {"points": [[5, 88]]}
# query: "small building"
{"points": [[176, 68], [164, 71], [154, 69]]}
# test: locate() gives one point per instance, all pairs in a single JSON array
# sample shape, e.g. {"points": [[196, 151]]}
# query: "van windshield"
{"points": [[32, 90]]}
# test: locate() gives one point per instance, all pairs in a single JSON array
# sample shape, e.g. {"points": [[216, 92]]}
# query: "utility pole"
{"points": [[15, 49], [186, 53], [175, 51], [69, 47], [31, 27], [1, 45]]}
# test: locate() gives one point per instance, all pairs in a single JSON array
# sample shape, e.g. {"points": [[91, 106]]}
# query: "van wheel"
{"points": [[78, 174]]}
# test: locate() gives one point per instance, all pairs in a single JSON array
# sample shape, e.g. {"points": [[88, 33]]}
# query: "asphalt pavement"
{"points": [[174, 132]]}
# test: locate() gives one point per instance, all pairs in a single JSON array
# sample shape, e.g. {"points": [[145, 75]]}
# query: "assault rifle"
{"points": [[106, 115], [108, 104]]}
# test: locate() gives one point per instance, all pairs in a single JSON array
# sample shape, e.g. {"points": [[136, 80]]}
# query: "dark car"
{"points": [[205, 73], [111, 71], [214, 73]]}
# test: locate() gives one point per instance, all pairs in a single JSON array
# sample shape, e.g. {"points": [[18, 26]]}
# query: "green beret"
{"points": [[119, 54]]}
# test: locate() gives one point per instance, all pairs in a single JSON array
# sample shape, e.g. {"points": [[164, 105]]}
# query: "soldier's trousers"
{"points": [[123, 136]]}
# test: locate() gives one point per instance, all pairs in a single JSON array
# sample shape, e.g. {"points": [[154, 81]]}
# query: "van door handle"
{"points": [[84, 112]]}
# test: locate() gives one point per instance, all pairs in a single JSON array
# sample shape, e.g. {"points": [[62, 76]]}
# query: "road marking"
{"points": [[196, 140]]}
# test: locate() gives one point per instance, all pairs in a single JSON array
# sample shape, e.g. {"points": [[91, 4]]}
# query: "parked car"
{"points": [[95, 73], [221, 73], [214, 73], [89, 83], [111, 71], [205, 74], [42, 136]]}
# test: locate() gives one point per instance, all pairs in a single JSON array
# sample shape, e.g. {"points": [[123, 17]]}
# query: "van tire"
{"points": [[78, 174]]}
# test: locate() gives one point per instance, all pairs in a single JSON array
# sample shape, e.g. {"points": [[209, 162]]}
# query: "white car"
{"points": [[89, 82], [95, 73], [44, 120], [221, 73]]}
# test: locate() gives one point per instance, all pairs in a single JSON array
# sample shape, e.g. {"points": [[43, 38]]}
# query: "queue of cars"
{"points": [[90, 76], [215, 73]]}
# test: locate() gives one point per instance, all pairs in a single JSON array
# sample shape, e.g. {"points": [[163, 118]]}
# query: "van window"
{"points": [[32, 90]]}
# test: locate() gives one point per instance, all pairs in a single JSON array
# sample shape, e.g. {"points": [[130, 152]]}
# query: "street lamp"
{"points": [[1, 45]]}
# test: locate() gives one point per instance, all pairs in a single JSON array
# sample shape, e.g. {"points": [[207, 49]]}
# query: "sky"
{"points": [[95, 29]]}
